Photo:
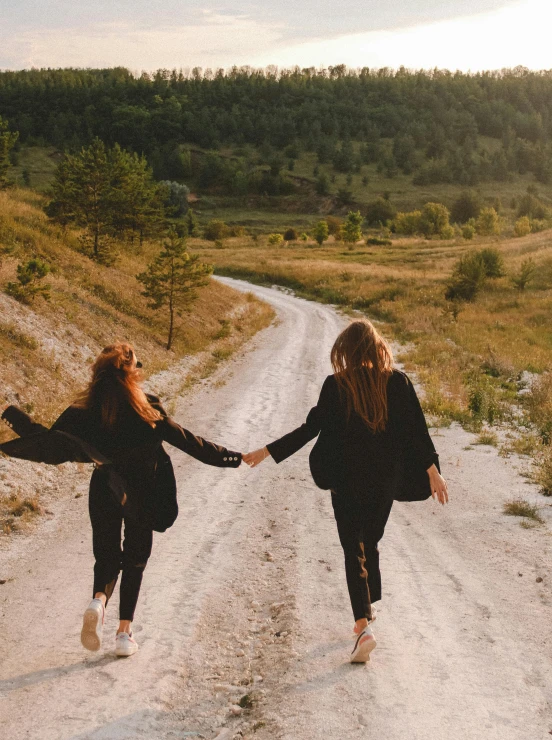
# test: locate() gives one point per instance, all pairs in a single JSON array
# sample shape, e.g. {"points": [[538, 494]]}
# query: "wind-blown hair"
{"points": [[115, 383], [362, 362]]}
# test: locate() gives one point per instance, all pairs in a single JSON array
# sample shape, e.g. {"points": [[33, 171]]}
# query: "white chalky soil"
{"points": [[244, 623]]}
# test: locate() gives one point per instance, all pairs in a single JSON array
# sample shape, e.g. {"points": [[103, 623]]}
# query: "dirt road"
{"points": [[245, 599]]}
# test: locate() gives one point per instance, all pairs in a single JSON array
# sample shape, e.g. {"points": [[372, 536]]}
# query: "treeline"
{"points": [[436, 126]]}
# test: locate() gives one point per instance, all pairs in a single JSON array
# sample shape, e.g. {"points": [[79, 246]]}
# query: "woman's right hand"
{"points": [[255, 458], [438, 484]]}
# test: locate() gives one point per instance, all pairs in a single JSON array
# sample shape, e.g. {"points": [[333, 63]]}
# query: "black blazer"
{"points": [[129, 458], [348, 455]]}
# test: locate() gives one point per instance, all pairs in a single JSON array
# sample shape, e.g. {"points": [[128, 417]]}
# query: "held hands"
{"points": [[255, 458], [438, 484]]}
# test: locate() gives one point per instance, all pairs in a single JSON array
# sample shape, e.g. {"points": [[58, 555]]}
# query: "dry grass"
{"points": [[17, 512], [46, 348], [521, 507]]}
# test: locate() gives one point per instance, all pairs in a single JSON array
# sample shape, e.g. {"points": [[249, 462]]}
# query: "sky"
{"points": [[153, 34]]}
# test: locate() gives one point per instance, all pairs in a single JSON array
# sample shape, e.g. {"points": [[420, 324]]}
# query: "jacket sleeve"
{"points": [[416, 429], [20, 422], [288, 445], [204, 451]]}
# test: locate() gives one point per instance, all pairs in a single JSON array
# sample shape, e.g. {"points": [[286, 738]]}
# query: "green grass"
{"points": [[40, 162]]}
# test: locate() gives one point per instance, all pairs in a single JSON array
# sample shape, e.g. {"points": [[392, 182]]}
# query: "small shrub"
{"points": [[304, 237], [275, 239], [483, 401], [408, 223], [380, 211], [468, 278], [468, 231], [29, 281], [525, 276], [522, 226], [521, 507], [321, 232], [290, 235], [487, 223], [434, 220], [215, 230], [492, 261]]}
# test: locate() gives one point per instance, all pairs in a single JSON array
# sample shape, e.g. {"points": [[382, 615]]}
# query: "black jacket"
{"points": [[348, 455], [129, 458]]}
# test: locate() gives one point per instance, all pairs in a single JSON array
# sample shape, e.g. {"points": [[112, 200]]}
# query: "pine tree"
{"points": [[108, 192], [351, 230], [172, 279]]}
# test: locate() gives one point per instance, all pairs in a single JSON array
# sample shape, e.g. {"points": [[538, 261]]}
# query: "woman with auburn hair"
{"points": [[373, 447], [114, 424]]}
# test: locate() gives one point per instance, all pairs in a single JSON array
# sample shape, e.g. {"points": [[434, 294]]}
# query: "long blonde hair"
{"points": [[115, 383], [361, 347]]}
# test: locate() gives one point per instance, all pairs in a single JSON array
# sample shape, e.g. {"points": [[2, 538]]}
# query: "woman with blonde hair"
{"points": [[121, 429], [373, 447]]}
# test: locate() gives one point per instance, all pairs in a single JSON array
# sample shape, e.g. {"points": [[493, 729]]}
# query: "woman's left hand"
{"points": [[438, 484], [255, 458]]}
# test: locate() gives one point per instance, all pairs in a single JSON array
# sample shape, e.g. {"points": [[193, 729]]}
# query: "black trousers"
{"points": [[361, 517], [107, 517]]}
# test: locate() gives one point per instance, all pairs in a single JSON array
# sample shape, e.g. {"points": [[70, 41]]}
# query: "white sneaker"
{"points": [[125, 645], [365, 643], [92, 625]]}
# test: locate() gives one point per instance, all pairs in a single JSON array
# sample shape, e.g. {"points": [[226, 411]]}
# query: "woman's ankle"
{"points": [[101, 597], [360, 624], [124, 626]]}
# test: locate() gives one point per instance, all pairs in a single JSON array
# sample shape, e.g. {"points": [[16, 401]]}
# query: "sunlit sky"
{"points": [[150, 34]]}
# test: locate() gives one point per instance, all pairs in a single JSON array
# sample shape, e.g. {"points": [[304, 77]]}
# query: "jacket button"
{"points": [[235, 458], [225, 459]]}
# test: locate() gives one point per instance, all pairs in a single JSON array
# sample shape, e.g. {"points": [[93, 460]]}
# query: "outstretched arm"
{"points": [[288, 445], [203, 450]]}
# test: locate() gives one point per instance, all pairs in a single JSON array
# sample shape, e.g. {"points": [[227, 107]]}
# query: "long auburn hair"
{"points": [[115, 383], [360, 347]]}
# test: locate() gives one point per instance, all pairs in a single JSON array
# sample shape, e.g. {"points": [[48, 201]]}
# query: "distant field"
{"points": [[264, 213]]}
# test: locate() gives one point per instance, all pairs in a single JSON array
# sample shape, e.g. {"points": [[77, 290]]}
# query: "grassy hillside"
{"points": [[46, 347]]}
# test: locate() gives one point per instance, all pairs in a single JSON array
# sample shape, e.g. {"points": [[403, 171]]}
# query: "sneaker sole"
{"points": [[362, 654], [125, 653], [90, 638]]}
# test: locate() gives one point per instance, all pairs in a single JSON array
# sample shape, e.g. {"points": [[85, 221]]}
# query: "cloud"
{"points": [[212, 41], [515, 35]]}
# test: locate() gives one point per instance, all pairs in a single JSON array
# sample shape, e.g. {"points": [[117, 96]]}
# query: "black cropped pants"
{"points": [[111, 556], [361, 517]]}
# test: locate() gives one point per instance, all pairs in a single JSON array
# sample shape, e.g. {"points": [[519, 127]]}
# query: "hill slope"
{"points": [[46, 348]]}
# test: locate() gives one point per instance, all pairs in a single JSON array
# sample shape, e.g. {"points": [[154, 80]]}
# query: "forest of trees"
{"points": [[435, 126]]}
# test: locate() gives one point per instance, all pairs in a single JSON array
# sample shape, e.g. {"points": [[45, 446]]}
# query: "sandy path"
{"points": [[245, 597]]}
